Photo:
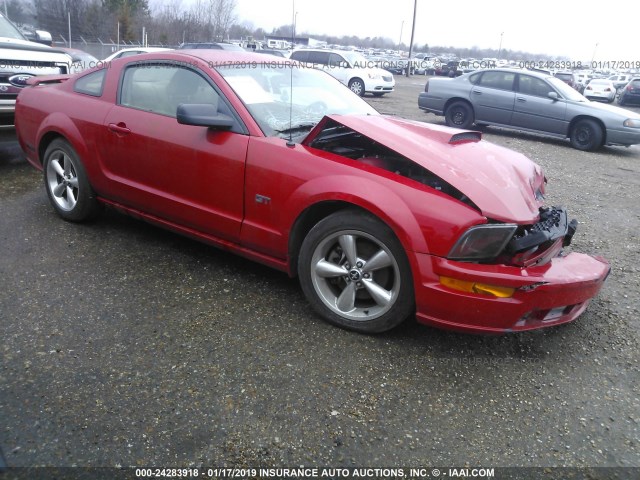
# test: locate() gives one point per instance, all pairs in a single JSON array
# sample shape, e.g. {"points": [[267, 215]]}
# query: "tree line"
{"points": [[171, 23]]}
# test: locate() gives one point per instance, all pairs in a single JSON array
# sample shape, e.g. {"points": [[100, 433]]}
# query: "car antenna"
{"points": [[293, 30]]}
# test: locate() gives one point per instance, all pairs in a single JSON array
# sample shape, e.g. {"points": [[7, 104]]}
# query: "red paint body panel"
{"points": [[244, 192], [494, 178], [569, 281], [425, 220], [199, 184]]}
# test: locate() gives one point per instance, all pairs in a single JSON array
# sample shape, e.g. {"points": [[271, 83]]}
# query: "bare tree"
{"points": [[222, 17]]}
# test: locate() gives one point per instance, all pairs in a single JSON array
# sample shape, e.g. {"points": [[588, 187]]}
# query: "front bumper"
{"points": [[384, 84], [551, 294], [623, 136]]}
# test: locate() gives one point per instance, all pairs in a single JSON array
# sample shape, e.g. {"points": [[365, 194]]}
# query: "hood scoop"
{"points": [[465, 137]]}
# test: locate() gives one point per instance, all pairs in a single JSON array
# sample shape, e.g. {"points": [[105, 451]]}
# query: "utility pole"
{"points": [[413, 31]]}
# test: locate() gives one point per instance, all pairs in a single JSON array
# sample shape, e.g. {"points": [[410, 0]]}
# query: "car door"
{"points": [[189, 175], [534, 109], [339, 68], [493, 97]]}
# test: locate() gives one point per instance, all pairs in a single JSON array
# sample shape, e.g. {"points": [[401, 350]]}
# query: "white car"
{"points": [[127, 52], [600, 89], [620, 80], [351, 68]]}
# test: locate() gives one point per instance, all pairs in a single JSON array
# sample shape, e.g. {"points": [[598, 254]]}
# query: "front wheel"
{"points": [[67, 183], [459, 115], [357, 86], [586, 135], [355, 273]]}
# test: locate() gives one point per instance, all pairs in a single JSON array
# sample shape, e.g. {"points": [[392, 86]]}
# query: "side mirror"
{"points": [[553, 96], [203, 115]]}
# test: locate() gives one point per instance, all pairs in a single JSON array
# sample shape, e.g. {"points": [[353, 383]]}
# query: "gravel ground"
{"points": [[125, 345]]}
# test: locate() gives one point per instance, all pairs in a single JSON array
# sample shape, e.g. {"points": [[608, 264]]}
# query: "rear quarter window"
{"points": [[475, 78], [499, 80], [91, 84]]}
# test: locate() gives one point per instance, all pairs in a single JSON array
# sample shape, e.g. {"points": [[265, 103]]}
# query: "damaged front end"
{"points": [[538, 243], [335, 137], [517, 245], [508, 271]]}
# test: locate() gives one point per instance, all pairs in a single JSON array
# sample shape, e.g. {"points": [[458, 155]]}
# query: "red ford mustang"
{"points": [[380, 218]]}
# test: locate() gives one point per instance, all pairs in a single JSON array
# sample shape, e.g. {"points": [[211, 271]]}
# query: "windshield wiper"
{"points": [[298, 126]]}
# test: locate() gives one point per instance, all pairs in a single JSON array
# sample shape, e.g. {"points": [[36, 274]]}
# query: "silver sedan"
{"points": [[529, 101]]}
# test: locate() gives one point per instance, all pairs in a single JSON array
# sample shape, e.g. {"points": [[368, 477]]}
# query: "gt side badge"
{"points": [[262, 199]]}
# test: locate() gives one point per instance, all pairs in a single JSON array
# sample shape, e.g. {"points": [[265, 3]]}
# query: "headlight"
{"points": [[632, 122], [374, 76], [484, 242]]}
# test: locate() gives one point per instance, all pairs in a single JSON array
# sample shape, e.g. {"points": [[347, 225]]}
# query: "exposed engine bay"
{"points": [[344, 141]]}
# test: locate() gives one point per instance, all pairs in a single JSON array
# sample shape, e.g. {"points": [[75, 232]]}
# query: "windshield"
{"points": [[266, 90], [7, 30], [565, 90]]}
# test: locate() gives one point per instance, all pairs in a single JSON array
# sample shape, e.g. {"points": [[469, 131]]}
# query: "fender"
{"points": [[364, 193], [63, 126]]}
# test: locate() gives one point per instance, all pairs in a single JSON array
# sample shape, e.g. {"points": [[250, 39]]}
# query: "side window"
{"points": [[319, 58], [475, 78], [91, 84], [498, 80], [336, 60], [161, 88], [533, 86], [300, 56]]}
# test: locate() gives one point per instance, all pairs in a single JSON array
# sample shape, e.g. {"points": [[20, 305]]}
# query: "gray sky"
{"points": [[553, 27]]}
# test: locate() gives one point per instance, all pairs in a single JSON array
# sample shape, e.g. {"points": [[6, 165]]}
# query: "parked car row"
{"points": [[533, 101], [351, 68]]}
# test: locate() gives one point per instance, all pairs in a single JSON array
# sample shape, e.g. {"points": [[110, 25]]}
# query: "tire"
{"points": [[356, 86], [67, 184], [340, 286], [459, 115], [586, 135], [620, 100]]}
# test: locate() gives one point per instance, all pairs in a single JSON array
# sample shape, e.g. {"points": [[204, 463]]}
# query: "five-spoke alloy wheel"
{"points": [[67, 184], [355, 273]]}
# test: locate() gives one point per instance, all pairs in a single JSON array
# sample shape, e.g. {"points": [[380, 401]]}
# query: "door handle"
{"points": [[477, 92], [119, 128], [523, 100]]}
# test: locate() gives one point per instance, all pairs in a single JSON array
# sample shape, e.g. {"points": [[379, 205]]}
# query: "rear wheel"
{"points": [[586, 135], [355, 273], [67, 184], [459, 115]]}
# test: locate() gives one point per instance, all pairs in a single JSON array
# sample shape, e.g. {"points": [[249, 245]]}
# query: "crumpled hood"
{"points": [[499, 181]]}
